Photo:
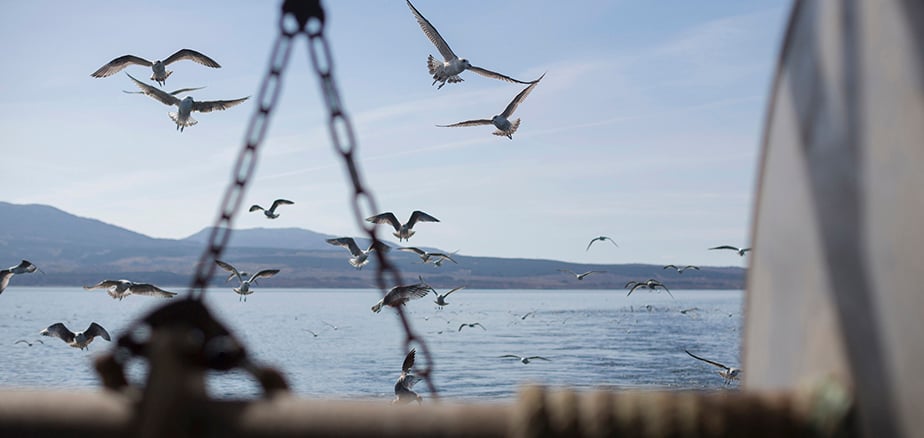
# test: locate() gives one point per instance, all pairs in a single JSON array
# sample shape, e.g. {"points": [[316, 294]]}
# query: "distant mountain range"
{"points": [[73, 250]]}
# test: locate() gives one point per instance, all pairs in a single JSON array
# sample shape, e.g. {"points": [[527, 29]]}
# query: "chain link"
{"points": [[309, 16]]}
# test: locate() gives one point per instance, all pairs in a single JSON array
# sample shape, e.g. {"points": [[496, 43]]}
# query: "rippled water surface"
{"points": [[591, 338]]}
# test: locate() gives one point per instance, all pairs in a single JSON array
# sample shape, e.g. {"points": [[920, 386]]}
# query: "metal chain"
{"points": [[306, 13]]}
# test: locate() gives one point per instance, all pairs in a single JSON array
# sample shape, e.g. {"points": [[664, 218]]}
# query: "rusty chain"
{"points": [[309, 19]]}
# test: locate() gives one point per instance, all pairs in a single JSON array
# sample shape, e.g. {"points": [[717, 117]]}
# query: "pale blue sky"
{"points": [[646, 127]]}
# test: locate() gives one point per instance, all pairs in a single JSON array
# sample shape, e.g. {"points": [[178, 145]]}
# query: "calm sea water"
{"points": [[592, 338]]}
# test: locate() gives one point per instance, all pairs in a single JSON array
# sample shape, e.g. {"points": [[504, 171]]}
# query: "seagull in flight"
{"points": [[681, 269], [77, 340], [399, 295], [441, 299], [406, 381], [119, 289], [651, 284], [359, 257], [525, 360], [580, 276], [244, 289], [452, 66], [174, 93], [23, 341], [501, 121], [186, 106], [740, 251], [472, 325], [426, 256], [160, 73], [24, 267], [402, 231], [727, 373], [601, 239], [271, 213]]}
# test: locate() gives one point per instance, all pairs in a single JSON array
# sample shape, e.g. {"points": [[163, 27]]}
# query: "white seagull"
{"points": [[160, 73], [119, 289], [24, 267], [501, 121], [402, 231], [580, 276], [600, 238], [524, 359], [441, 299], [449, 69], [359, 257], [400, 295], [271, 213], [727, 373], [651, 284], [21, 341], [406, 381], [427, 256], [77, 340], [185, 106], [680, 269], [244, 289], [740, 251], [472, 325]]}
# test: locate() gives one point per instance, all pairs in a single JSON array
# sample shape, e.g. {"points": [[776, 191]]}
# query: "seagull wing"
{"points": [[453, 290], [591, 243], [478, 122], [212, 105], [706, 360], [539, 357], [25, 267], [413, 249], [150, 290], [733, 248], [511, 355], [229, 268], [666, 290], [495, 75], [634, 287], [385, 218], [419, 216], [105, 284], [191, 55], [443, 256], [264, 273], [432, 34], [479, 325], [409, 360], [516, 100], [279, 202], [568, 271], [118, 64], [671, 267], [59, 331], [95, 330], [158, 94], [691, 267], [5, 276], [348, 243], [255, 207]]}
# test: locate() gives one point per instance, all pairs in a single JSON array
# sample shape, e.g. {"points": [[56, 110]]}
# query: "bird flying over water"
{"points": [[406, 381], [160, 72], [501, 121], [399, 295], [441, 299], [244, 289], [452, 66], [524, 359], [651, 284], [77, 340], [740, 251], [681, 269], [427, 256], [119, 289], [186, 106], [580, 276], [727, 373], [359, 257], [24, 267], [271, 213], [402, 231], [21, 341], [471, 325], [601, 239]]}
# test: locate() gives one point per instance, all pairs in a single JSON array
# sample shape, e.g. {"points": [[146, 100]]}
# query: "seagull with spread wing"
{"points": [[471, 325], [406, 381], [400, 295], [651, 284], [740, 251], [727, 373], [680, 269], [441, 299], [600, 239], [244, 289], [402, 231], [24, 267], [427, 256], [271, 212], [359, 257], [582, 275], [160, 72], [186, 106], [449, 69], [77, 340], [119, 289], [524, 359], [501, 121]]}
